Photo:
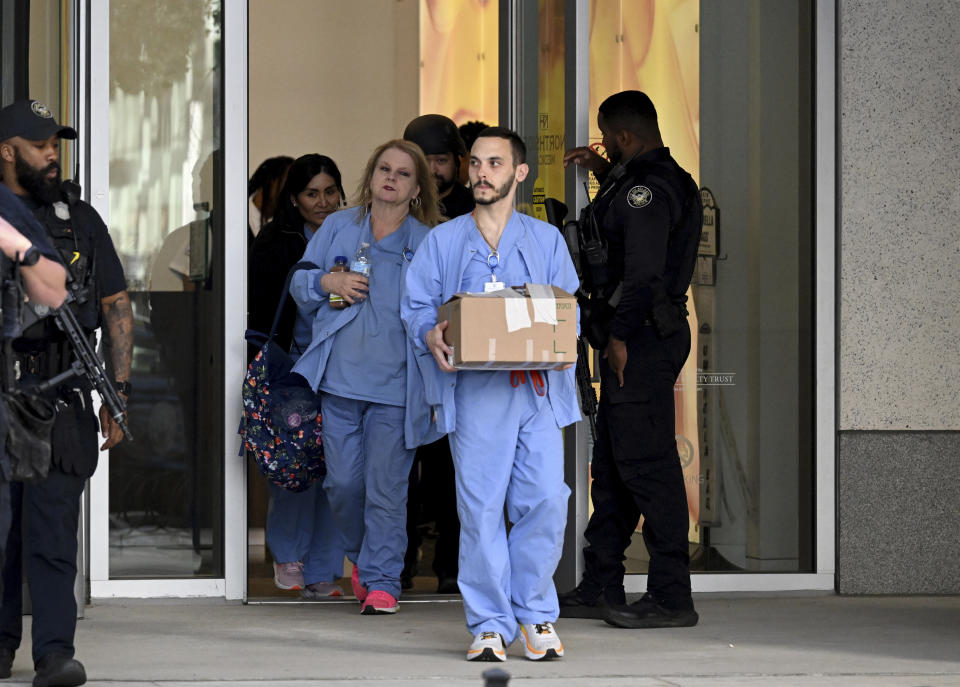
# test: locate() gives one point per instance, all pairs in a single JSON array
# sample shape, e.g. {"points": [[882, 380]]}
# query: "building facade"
{"points": [[817, 418]]}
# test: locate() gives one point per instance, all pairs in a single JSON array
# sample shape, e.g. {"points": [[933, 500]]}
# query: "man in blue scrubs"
{"points": [[504, 425]]}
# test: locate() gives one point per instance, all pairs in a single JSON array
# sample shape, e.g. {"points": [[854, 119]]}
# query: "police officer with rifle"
{"points": [[637, 244], [54, 357]]}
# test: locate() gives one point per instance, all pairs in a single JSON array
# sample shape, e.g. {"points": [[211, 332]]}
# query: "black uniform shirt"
{"points": [[651, 223], [458, 202], [15, 212], [107, 267], [77, 232]]}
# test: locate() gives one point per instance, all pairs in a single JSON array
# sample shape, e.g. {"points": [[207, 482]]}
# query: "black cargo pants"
{"points": [[636, 472], [43, 538]]}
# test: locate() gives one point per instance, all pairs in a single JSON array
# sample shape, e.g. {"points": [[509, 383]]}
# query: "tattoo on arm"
{"points": [[118, 316]]}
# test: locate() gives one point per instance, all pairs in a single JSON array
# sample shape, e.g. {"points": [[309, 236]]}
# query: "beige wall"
{"points": [[336, 77]]}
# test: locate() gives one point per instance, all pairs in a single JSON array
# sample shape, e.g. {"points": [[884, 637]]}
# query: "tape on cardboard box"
{"points": [[482, 337]]}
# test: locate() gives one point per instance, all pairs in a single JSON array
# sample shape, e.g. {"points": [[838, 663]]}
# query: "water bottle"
{"points": [[339, 265], [361, 261]]}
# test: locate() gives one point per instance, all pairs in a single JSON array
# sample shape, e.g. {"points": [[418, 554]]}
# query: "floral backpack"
{"points": [[281, 420]]}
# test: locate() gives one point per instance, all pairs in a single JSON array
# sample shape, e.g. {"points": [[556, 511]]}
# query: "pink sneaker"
{"points": [[288, 575], [379, 602], [359, 590]]}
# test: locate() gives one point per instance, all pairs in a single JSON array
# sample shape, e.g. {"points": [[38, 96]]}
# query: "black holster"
{"points": [[668, 316], [595, 318]]}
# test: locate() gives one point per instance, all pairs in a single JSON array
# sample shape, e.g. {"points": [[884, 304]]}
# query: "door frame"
{"points": [[577, 116], [94, 111]]}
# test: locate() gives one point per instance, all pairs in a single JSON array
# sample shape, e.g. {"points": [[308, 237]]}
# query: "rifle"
{"points": [[556, 212], [88, 365]]}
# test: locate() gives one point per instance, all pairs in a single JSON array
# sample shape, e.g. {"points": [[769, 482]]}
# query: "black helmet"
{"points": [[435, 134]]}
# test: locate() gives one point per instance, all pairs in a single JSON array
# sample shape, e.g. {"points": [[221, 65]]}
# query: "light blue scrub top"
{"points": [[511, 271], [368, 357], [302, 327]]}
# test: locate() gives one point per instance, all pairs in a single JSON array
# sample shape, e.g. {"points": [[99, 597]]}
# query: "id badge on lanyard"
{"points": [[493, 261]]}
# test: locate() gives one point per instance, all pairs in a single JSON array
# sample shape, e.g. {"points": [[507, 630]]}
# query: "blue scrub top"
{"points": [[368, 357], [512, 270], [302, 326]]}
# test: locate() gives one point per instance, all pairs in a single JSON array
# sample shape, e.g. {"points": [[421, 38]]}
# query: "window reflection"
{"points": [[166, 487], [742, 400]]}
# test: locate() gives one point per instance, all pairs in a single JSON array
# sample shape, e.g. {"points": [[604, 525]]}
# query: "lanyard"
{"points": [[493, 262], [493, 257]]}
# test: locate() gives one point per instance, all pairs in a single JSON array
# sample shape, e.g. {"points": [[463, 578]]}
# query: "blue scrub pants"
{"points": [[507, 449], [300, 527], [367, 472]]}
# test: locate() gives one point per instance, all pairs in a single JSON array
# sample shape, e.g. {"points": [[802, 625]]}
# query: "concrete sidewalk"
{"points": [[746, 641]]}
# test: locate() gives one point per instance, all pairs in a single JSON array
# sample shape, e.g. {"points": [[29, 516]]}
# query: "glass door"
{"points": [[158, 136], [745, 422]]}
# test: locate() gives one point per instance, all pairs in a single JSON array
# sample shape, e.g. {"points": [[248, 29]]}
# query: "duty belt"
{"points": [[45, 363]]}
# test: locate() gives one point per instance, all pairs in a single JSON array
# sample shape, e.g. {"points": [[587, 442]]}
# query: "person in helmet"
{"points": [[440, 141]]}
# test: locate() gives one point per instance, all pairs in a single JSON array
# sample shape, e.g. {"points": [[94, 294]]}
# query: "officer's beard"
{"points": [[500, 194], [35, 182]]}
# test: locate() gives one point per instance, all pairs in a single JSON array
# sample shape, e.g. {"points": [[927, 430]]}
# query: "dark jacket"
{"points": [[277, 248], [458, 202], [651, 224]]}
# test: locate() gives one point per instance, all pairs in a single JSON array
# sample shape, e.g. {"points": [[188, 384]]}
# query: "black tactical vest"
{"points": [[77, 249]]}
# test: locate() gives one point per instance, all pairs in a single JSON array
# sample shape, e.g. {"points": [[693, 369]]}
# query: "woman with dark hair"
{"points": [[313, 190], [301, 534], [373, 403], [263, 192]]}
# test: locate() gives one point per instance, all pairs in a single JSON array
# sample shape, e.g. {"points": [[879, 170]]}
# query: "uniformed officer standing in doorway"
{"points": [[46, 513], [648, 213]]}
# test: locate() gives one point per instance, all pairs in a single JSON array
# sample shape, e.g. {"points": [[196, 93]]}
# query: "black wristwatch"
{"points": [[30, 257], [122, 388]]}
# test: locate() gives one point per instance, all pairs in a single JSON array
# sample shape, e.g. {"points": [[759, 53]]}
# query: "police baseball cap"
{"points": [[435, 134], [30, 119]]}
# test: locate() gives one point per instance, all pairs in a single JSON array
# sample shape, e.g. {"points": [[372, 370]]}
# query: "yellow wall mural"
{"points": [[459, 59], [550, 105], [654, 47]]}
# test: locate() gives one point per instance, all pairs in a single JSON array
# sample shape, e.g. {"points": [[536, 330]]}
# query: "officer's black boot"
{"points": [[59, 670], [588, 600], [447, 584], [6, 662], [650, 613]]}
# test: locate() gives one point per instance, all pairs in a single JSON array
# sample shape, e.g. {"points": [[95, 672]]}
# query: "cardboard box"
{"points": [[533, 327]]}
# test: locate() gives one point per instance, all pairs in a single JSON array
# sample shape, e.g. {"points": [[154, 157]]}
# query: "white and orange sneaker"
{"points": [[540, 641], [487, 646]]}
